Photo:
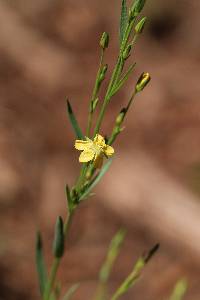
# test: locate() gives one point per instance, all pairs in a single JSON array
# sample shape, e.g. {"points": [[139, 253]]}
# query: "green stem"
{"points": [[56, 263], [116, 130], [115, 76], [94, 93]]}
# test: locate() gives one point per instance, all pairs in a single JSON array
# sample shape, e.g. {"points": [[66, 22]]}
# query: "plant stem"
{"points": [[94, 93], [56, 263], [117, 129], [115, 76]]}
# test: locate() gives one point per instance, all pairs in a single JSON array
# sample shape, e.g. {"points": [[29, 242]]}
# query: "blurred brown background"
{"points": [[49, 51]]}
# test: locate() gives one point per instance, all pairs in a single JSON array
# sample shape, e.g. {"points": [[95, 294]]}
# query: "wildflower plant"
{"points": [[96, 156]]}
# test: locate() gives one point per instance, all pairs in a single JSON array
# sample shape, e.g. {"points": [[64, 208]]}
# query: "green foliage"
{"points": [[132, 278], [91, 173], [138, 6], [70, 200], [123, 21], [104, 274], [95, 180], [180, 290], [124, 79], [74, 122], [71, 291], [40, 264]]}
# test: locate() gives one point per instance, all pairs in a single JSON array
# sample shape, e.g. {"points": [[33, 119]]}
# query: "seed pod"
{"points": [[142, 82], [104, 41], [140, 26], [59, 239]]}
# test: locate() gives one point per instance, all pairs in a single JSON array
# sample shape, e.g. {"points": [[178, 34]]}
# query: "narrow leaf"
{"points": [[179, 290], [123, 80], [96, 179], [107, 267], [124, 20], [132, 278], [40, 264], [74, 122], [71, 292]]}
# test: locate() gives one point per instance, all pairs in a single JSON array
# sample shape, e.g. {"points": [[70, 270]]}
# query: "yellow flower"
{"points": [[94, 150]]}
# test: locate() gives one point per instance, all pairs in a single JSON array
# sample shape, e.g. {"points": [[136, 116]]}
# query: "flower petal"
{"points": [[109, 151], [82, 145], [86, 156], [99, 140]]}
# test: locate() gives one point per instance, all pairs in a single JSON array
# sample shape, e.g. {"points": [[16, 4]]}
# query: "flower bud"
{"points": [[126, 52], [138, 6], [140, 26], [120, 117], [142, 82], [104, 42], [59, 239], [103, 73]]}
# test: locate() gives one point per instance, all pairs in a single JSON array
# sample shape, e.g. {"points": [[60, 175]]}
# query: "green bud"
{"points": [[103, 73], [59, 239], [142, 82], [126, 52], [104, 42], [138, 6], [120, 117], [140, 26]]}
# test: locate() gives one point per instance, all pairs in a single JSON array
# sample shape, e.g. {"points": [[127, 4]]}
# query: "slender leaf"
{"points": [[71, 291], [123, 80], [132, 278], [74, 122], [40, 264], [96, 179], [107, 267], [124, 20], [179, 290]]}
